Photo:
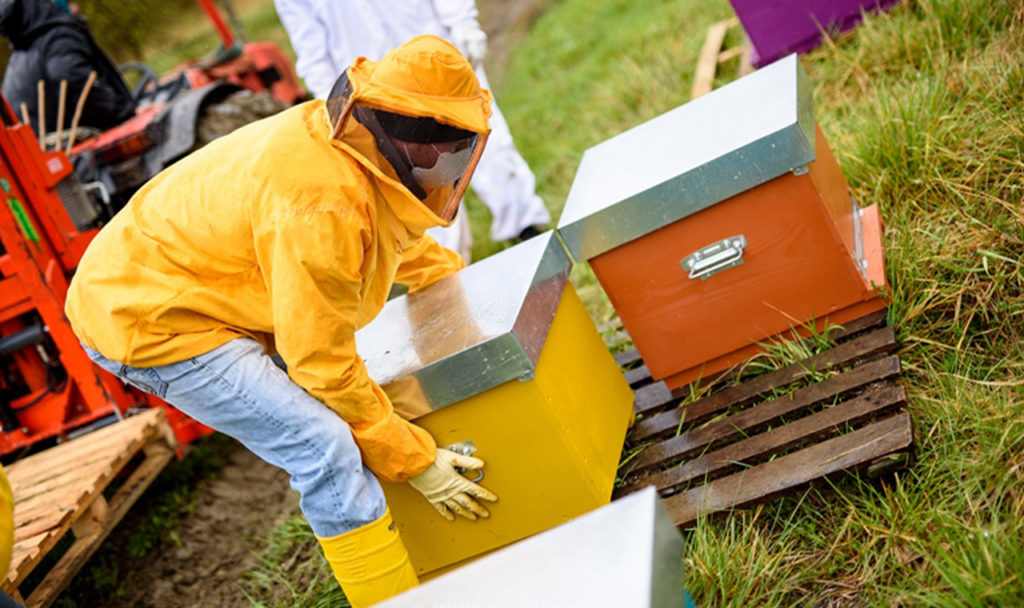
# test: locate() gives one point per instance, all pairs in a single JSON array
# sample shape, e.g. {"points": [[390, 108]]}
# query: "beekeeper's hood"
{"points": [[427, 113]]}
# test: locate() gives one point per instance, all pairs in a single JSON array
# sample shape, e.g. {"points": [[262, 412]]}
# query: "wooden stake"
{"points": [[25, 118], [78, 110], [42, 113], [60, 110]]}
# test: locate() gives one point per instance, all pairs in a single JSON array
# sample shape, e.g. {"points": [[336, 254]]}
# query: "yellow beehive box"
{"points": [[503, 355]]}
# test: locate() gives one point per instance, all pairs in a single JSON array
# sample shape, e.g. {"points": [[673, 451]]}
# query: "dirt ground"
{"points": [[248, 497], [242, 503]]}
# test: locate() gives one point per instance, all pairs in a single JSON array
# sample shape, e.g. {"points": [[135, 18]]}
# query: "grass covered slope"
{"points": [[923, 106]]}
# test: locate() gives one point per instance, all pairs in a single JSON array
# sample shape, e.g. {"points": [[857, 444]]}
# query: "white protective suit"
{"points": [[328, 35]]}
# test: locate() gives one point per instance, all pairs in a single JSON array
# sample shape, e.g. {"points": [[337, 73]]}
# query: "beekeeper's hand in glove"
{"points": [[449, 492], [470, 40]]}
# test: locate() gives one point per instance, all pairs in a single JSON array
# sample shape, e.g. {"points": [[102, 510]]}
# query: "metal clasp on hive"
{"points": [[715, 258], [466, 448]]}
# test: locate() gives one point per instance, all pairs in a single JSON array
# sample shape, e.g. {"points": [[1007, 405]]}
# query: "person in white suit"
{"points": [[328, 35]]}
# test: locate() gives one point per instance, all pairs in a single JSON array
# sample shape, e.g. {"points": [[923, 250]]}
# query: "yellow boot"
{"points": [[370, 563]]}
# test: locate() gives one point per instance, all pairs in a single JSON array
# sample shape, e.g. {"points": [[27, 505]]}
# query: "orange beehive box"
{"points": [[724, 224]]}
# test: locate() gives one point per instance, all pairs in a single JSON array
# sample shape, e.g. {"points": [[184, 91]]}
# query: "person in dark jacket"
{"points": [[49, 44]]}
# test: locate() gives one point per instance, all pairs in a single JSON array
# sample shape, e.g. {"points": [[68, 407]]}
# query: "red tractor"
{"points": [[55, 204], [195, 103]]}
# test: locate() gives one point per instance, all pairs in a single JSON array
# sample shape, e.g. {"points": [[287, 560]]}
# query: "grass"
{"points": [[293, 572], [922, 106], [192, 36]]}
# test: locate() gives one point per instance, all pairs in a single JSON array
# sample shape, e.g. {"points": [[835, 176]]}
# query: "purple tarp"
{"points": [[779, 27]]}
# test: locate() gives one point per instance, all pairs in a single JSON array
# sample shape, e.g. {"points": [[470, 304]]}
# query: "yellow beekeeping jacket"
{"points": [[279, 233]]}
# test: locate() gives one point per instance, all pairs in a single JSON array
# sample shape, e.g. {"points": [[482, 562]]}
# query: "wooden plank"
{"points": [[879, 341], [752, 450], [836, 335], [69, 496], [27, 562], [769, 479], [728, 54], [135, 427], [638, 376], [45, 521], [856, 326], [627, 358], [71, 562], [38, 487], [62, 462], [80, 492], [41, 516], [736, 425], [26, 549], [652, 397], [84, 444], [704, 74], [60, 485]]}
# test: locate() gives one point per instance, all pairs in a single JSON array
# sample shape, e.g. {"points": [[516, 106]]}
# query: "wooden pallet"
{"points": [[739, 444], [82, 487]]}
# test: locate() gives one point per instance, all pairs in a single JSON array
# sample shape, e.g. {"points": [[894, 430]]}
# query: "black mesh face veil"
{"points": [[419, 130]]}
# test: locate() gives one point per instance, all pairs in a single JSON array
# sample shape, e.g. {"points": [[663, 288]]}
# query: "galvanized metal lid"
{"points": [[747, 132], [627, 553], [481, 327]]}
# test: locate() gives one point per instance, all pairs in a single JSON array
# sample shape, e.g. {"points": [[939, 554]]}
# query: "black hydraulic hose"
{"points": [[29, 336]]}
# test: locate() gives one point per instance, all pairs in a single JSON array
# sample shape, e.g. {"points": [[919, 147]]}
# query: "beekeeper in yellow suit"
{"points": [[287, 235]]}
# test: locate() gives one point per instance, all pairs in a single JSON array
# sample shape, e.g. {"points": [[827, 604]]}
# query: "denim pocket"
{"points": [[144, 379]]}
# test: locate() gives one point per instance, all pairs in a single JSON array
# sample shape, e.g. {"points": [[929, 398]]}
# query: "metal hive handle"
{"points": [[715, 258]]}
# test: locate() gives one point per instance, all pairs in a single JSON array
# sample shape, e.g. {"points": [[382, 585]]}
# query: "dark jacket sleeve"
{"points": [[71, 55]]}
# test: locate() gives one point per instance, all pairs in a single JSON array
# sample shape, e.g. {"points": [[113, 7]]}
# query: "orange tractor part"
{"points": [[49, 387]]}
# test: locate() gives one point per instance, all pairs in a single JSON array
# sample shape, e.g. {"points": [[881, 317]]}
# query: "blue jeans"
{"points": [[237, 390]]}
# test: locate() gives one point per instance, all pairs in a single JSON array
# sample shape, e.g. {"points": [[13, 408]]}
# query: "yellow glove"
{"points": [[449, 491]]}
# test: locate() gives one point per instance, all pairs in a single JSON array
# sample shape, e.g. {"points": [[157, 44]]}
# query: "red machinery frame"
{"points": [[42, 247]]}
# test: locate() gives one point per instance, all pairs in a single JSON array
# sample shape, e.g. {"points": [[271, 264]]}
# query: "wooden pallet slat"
{"points": [[737, 424], [627, 358], [72, 561], [87, 448], [746, 441], [752, 449], [638, 375], [58, 484], [652, 397], [60, 491], [839, 333], [769, 479], [879, 341]]}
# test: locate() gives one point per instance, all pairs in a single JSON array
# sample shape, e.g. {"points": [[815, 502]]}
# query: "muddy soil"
{"points": [[236, 509]]}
